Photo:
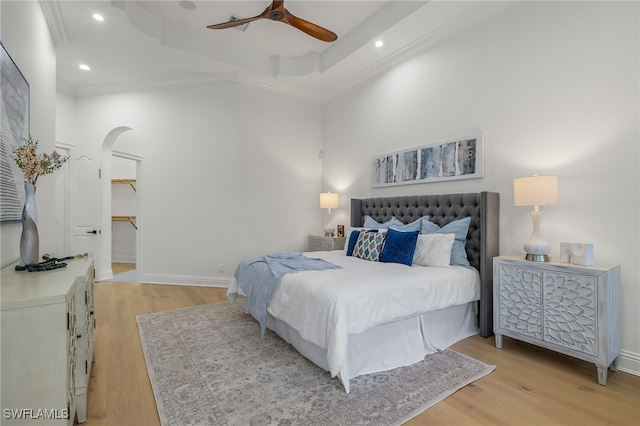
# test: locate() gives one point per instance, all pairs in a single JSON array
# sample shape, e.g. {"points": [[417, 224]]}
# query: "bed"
{"points": [[396, 322]]}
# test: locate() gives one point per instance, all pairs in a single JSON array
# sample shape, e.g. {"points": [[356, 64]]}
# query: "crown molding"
{"points": [[55, 22], [146, 85]]}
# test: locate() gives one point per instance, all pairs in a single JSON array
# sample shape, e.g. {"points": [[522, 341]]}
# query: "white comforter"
{"points": [[326, 306]]}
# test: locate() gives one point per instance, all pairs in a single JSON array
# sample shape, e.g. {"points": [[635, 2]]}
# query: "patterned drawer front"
{"points": [[320, 244], [570, 311], [89, 318], [72, 353], [520, 300]]}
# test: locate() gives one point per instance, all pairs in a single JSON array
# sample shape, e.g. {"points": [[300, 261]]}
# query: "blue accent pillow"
{"points": [[416, 225], [352, 241], [371, 223], [399, 247], [458, 227]]}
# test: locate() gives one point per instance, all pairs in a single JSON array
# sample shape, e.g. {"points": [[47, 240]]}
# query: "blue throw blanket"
{"points": [[259, 277]]}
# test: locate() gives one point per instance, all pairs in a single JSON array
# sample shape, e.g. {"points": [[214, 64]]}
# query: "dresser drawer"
{"points": [[322, 243]]}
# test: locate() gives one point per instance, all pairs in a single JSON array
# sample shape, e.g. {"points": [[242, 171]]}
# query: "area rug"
{"points": [[208, 365]]}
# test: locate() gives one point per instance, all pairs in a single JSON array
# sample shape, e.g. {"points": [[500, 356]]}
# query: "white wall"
{"points": [[25, 35], [123, 168], [228, 172], [280, 170], [66, 119], [554, 87]]}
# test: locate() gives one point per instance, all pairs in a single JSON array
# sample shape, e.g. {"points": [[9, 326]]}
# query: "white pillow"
{"points": [[433, 249]]}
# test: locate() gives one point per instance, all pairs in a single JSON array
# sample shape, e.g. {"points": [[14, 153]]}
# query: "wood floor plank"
{"points": [[118, 268], [210, 294], [200, 296], [442, 414], [566, 388], [148, 408], [530, 385], [123, 399], [97, 389]]}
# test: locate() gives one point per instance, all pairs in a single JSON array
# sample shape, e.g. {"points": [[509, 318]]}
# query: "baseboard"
{"points": [[105, 274], [123, 258], [629, 363], [190, 280]]}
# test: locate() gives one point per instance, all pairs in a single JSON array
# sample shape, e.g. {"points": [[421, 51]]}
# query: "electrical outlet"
{"points": [[221, 267]]}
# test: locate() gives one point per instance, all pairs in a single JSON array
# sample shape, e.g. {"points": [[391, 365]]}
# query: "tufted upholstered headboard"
{"points": [[482, 238]]}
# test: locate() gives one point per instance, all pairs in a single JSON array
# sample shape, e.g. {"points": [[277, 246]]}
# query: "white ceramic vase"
{"points": [[29, 240]]}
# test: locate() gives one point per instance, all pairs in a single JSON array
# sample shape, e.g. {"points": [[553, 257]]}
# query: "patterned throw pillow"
{"points": [[369, 245]]}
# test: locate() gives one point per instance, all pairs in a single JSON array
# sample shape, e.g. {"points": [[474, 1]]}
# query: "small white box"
{"points": [[576, 253]]}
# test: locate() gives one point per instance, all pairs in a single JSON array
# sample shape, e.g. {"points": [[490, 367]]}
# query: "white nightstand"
{"points": [[567, 308], [322, 243]]}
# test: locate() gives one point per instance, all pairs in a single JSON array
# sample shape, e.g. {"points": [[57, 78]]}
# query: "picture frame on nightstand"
{"points": [[340, 229]]}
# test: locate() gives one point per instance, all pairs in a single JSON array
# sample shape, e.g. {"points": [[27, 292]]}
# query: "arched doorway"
{"points": [[122, 144]]}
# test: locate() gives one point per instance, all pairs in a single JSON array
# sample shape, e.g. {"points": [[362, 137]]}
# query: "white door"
{"points": [[84, 211]]}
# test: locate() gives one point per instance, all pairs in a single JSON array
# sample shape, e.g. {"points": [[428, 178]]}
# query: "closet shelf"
{"points": [[129, 182], [129, 219]]}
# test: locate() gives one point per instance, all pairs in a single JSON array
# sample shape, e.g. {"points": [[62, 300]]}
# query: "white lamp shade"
{"points": [[329, 200], [535, 191]]}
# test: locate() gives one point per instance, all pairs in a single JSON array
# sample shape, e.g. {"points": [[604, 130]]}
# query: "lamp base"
{"points": [[537, 257], [537, 248], [329, 230]]}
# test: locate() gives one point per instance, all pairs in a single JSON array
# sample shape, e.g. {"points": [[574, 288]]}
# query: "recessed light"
{"points": [[98, 17], [379, 43], [187, 5], [84, 67]]}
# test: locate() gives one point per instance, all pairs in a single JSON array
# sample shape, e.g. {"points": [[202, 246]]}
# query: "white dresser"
{"points": [[567, 308], [47, 343]]}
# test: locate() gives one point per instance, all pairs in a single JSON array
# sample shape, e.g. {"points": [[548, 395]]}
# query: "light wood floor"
{"points": [[118, 268], [530, 386]]}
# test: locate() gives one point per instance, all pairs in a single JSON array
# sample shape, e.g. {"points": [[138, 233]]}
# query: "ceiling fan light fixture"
{"points": [[187, 5]]}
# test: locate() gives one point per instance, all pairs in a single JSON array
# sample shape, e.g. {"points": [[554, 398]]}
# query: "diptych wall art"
{"points": [[15, 126], [460, 158]]}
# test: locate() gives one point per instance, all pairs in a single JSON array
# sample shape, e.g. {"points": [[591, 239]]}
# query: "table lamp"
{"points": [[536, 191], [329, 200]]}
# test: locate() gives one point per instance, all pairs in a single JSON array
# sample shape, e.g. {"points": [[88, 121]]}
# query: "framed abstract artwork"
{"points": [[459, 158], [15, 126]]}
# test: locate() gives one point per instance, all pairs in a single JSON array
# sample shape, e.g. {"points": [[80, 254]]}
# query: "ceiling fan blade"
{"points": [[277, 12], [310, 28], [223, 25], [235, 23]]}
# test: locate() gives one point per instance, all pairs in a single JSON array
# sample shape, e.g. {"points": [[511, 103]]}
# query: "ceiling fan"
{"points": [[277, 12]]}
